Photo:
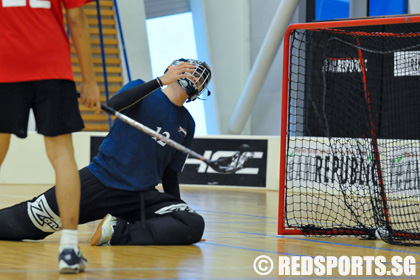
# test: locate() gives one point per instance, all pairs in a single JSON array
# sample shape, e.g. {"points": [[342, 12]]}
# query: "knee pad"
{"points": [[28, 220], [41, 215]]}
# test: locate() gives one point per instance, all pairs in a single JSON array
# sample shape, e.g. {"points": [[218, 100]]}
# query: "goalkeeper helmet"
{"points": [[203, 74]]}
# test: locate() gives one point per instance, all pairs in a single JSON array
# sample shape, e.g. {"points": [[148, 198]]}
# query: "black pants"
{"points": [[143, 218]]}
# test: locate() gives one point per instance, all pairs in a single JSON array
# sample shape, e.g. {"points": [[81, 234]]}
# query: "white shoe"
{"points": [[104, 232], [71, 261]]}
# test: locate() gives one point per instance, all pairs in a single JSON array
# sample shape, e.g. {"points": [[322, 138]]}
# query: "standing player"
{"points": [[36, 73], [122, 178]]}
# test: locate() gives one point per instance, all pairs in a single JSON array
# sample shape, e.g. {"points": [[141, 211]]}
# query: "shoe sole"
{"points": [[98, 233], [71, 270]]}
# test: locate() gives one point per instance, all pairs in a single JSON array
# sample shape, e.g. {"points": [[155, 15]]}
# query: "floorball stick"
{"points": [[221, 165]]}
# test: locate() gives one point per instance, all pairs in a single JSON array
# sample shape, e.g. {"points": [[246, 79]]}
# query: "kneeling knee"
{"points": [[195, 224]]}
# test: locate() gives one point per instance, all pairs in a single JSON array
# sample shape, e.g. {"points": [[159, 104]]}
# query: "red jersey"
{"points": [[33, 40]]}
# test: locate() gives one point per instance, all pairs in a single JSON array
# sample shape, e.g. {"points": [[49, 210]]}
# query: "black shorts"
{"points": [[54, 103]]}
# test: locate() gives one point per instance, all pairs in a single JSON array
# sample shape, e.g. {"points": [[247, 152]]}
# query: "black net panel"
{"points": [[353, 144]]}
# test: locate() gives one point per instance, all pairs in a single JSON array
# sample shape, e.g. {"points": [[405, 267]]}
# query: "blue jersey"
{"points": [[130, 159]]}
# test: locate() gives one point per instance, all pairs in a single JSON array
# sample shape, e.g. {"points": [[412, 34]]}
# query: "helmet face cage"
{"points": [[202, 73]]}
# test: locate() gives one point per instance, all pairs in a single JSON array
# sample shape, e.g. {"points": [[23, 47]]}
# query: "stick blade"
{"points": [[227, 165]]}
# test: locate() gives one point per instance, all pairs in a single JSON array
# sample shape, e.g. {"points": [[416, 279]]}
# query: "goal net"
{"points": [[350, 141]]}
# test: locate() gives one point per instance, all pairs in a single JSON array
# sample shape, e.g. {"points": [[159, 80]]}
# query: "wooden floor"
{"points": [[241, 225]]}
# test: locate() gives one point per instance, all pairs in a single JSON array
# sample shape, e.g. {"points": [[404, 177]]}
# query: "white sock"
{"points": [[68, 239]]}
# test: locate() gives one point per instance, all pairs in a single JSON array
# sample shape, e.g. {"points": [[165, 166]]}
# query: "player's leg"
{"points": [[61, 155], [161, 220], [175, 228], [57, 115], [33, 219]]}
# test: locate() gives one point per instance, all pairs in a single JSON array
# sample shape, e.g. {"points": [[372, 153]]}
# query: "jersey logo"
{"points": [[174, 208], [42, 216], [182, 131]]}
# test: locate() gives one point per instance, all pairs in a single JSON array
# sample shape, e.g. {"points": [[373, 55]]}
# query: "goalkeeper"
{"points": [[119, 185]]}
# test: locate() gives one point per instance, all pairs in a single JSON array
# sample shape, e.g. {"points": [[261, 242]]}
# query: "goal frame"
{"points": [[282, 229]]}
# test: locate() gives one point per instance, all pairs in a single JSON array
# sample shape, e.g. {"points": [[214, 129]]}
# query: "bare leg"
{"points": [[61, 155], [4, 145]]}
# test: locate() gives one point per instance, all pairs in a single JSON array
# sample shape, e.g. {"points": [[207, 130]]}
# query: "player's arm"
{"points": [[79, 33], [131, 96], [170, 182]]}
